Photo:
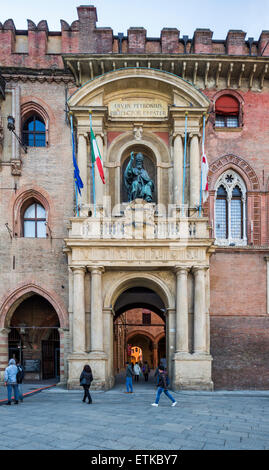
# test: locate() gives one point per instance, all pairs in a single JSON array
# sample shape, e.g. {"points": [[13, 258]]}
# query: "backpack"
{"points": [[19, 375]]}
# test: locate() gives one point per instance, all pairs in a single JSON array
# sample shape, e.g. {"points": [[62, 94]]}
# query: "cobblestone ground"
{"points": [[58, 419]]}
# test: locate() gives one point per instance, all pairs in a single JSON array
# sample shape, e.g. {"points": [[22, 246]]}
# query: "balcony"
{"points": [[140, 222]]}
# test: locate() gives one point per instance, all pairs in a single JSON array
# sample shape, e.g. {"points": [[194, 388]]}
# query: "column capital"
{"points": [[182, 269], [83, 132], [194, 134], [176, 134], [96, 269], [100, 134], [63, 330], [197, 269], [78, 269], [4, 331]]}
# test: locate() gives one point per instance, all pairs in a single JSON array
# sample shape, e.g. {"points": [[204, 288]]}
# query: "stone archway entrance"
{"points": [[33, 332], [34, 339], [139, 322]]}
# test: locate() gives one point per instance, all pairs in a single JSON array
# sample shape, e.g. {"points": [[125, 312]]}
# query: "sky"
{"points": [[252, 16]]}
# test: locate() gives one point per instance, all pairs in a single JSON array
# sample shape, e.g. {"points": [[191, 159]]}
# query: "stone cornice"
{"points": [[15, 74], [203, 70]]}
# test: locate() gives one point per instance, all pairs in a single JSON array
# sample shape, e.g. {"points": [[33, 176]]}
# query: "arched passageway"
{"points": [[33, 335], [139, 323]]}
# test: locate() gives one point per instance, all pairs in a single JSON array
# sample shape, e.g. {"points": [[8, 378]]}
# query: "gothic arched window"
{"points": [[34, 221], [230, 210], [34, 132]]}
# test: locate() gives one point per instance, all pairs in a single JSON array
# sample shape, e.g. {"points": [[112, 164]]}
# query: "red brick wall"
{"points": [[84, 36], [238, 284], [239, 322], [240, 350]]}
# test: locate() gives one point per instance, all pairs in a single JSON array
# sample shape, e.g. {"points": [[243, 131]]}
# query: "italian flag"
{"points": [[204, 177], [96, 155]]}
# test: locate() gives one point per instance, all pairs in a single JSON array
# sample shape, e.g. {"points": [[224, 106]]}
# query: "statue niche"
{"points": [[138, 181]]}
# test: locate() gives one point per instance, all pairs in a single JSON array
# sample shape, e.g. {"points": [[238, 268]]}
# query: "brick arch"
{"points": [[31, 105], [141, 333], [235, 94], [159, 337], [236, 163], [19, 200], [14, 298]]}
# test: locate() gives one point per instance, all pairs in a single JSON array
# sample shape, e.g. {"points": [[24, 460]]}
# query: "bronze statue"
{"points": [[137, 180]]}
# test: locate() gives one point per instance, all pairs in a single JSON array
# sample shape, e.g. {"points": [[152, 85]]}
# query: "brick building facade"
{"points": [[212, 283]]}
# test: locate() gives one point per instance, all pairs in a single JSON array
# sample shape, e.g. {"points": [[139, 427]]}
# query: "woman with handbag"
{"points": [[85, 381]]}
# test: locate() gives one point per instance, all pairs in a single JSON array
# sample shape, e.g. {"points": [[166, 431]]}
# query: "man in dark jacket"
{"points": [[163, 387], [20, 377], [129, 378]]}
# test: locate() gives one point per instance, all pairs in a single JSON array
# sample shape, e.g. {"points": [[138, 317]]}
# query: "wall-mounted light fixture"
{"points": [[11, 128]]}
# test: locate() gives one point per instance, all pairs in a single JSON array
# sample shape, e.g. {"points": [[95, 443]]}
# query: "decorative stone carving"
{"points": [[138, 132], [16, 166]]}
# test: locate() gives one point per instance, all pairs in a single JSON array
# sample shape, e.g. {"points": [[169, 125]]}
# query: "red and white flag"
{"points": [[204, 178]]}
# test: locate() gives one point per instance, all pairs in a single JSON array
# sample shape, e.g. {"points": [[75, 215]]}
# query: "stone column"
{"points": [[99, 185], [182, 327], [200, 331], [64, 339], [97, 334], [79, 310], [3, 351], [194, 171], [178, 169], [98, 357], [155, 355], [108, 344], [83, 164]]}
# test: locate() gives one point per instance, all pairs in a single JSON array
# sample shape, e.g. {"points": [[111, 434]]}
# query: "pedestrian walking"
{"points": [[146, 371], [20, 377], [129, 378], [163, 387], [137, 371], [86, 379], [10, 378]]}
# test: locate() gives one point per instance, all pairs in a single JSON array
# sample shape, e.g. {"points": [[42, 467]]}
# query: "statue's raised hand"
{"points": [[132, 157]]}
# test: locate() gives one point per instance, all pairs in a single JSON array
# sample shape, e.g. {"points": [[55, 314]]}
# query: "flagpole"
{"points": [[73, 150], [203, 151], [93, 177], [184, 162]]}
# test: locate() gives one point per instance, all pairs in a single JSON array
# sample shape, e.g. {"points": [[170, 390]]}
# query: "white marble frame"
{"points": [[237, 181]]}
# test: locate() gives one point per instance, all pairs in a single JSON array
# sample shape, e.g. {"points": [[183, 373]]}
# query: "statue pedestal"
{"points": [[139, 220]]}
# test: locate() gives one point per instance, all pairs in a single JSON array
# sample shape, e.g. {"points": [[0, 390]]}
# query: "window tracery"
{"points": [[230, 210]]}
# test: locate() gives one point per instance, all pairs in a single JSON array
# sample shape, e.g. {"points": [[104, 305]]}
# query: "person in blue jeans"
{"points": [[10, 378], [129, 378], [163, 387]]}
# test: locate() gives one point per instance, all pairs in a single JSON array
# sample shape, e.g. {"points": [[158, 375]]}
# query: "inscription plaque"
{"points": [[138, 108]]}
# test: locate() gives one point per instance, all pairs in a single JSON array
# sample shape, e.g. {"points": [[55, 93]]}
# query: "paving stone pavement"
{"points": [[58, 419]]}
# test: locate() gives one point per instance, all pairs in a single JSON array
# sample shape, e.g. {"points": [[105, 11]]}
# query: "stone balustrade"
{"points": [[177, 228]]}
